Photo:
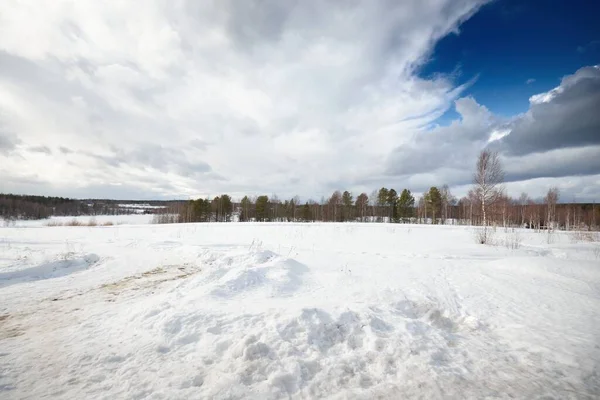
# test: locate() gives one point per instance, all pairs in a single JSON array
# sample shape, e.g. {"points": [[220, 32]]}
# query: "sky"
{"points": [[184, 98]]}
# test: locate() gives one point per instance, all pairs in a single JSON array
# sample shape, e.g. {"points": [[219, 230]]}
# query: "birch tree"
{"points": [[488, 179]]}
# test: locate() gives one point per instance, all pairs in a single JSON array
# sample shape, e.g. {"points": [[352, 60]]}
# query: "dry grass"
{"points": [[53, 223], [585, 236], [75, 222], [165, 218]]}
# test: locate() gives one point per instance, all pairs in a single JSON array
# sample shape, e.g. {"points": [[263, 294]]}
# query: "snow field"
{"points": [[296, 310], [129, 219]]}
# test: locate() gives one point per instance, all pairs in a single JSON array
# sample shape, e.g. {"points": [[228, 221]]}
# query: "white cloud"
{"points": [[182, 98]]}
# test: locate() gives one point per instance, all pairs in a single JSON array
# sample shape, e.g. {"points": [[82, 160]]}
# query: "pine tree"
{"points": [[434, 202], [406, 204], [262, 208], [382, 198], [245, 206], [347, 202], [362, 204], [392, 203], [306, 213]]}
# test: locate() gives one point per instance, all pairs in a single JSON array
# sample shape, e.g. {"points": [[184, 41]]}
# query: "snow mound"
{"points": [[48, 270], [264, 270]]}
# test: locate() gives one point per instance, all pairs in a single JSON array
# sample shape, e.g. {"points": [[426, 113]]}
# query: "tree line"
{"points": [[486, 204], [13, 206]]}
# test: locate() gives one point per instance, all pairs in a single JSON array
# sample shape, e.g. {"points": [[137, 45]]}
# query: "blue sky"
{"points": [[509, 42]]}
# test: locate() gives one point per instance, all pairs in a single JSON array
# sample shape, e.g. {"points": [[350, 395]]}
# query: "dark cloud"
{"points": [[65, 150], [565, 117], [554, 164], [40, 149], [8, 142], [154, 156]]}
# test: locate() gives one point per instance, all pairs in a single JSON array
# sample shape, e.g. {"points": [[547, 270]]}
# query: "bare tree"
{"points": [[488, 179], [523, 202], [551, 199], [447, 200]]}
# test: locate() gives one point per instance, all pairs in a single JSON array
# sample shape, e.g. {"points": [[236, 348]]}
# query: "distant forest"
{"points": [[14, 206]]}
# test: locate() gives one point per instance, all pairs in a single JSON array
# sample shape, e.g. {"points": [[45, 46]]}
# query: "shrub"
{"points": [[484, 235], [53, 223], [165, 218], [513, 240], [585, 236]]}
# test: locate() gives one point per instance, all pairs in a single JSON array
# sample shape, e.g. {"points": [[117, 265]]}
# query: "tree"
{"points": [[434, 202], [362, 204], [551, 199], [406, 204], [382, 201], [306, 213], [488, 179], [262, 208], [447, 200], [226, 207], [523, 202], [347, 202], [245, 205], [335, 201], [392, 202]]}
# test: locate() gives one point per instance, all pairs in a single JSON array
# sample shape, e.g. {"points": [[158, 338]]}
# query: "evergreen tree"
{"points": [[434, 202], [382, 199], [306, 213], [262, 208], [245, 206], [392, 203], [347, 202], [406, 204]]}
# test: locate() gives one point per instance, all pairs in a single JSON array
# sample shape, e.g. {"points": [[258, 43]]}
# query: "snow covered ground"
{"points": [[130, 219], [296, 311]]}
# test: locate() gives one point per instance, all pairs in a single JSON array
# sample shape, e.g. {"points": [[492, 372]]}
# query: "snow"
{"points": [[267, 311], [143, 206], [128, 219]]}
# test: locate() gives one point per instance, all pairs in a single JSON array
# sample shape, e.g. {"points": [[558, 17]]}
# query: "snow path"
{"points": [[291, 310]]}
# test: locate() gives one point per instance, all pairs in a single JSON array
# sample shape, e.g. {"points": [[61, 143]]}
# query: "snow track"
{"points": [[294, 311]]}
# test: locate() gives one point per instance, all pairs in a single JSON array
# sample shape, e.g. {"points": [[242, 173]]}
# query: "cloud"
{"points": [[8, 142], [189, 98], [40, 149], [556, 138], [563, 117], [530, 81]]}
